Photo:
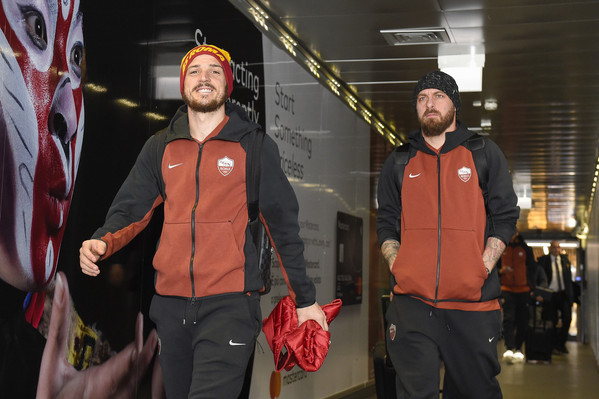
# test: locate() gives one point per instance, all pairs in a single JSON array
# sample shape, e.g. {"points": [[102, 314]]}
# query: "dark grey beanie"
{"points": [[441, 81]]}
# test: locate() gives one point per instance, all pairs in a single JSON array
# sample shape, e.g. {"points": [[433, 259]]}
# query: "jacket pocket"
{"points": [[415, 267], [462, 272], [491, 288], [172, 258], [219, 259]]}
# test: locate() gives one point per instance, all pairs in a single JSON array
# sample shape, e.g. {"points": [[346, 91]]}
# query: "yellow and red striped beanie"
{"points": [[221, 56]]}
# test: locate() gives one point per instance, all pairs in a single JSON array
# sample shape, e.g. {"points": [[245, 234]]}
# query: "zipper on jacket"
{"points": [[438, 229], [193, 223]]}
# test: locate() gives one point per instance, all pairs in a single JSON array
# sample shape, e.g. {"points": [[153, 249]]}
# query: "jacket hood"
{"points": [[452, 139], [239, 124]]}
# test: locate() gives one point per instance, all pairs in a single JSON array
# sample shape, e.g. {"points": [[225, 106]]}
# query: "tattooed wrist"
{"points": [[492, 252], [389, 250]]}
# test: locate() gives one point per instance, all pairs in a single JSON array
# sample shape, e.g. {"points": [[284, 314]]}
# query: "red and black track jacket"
{"points": [[205, 247], [517, 268], [442, 221]]}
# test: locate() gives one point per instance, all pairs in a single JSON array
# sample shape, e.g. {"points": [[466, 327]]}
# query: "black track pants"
{"points": [[515, 318], [420, 337], [205, 344]]}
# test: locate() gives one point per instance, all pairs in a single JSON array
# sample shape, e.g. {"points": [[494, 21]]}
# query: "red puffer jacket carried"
{"points": [[306, 345]]}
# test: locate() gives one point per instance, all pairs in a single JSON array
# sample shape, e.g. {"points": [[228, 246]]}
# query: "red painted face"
{"points": [[41, 130]]}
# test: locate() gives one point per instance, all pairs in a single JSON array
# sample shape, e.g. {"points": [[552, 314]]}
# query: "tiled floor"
{"points": [[571, 376]]}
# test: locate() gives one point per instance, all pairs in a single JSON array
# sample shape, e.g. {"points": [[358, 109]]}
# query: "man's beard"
{"points": [[205, 107], [435, 127]]}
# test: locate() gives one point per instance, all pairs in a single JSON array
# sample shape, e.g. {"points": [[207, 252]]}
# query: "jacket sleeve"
{"points": [[533, 269], [134, 203], [388, 198], [502, 200], [279, 208], [540, 277], [543, 263], [567, 278]]}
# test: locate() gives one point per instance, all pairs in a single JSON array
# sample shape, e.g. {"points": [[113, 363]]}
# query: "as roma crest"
{"points": [[225, 165], [392, 331], [464, 174]]}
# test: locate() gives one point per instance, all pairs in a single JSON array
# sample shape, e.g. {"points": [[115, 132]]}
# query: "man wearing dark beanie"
{"points": [[442, 227], [207, 303]]}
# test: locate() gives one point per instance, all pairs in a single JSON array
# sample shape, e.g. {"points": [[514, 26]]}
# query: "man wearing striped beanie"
{"points": [[208, 282]]}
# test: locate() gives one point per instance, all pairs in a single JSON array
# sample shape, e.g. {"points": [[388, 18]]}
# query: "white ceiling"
{"points": [[541, 65]]}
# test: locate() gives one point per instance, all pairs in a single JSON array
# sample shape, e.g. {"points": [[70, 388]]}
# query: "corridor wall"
{"points": [[591, 288]]}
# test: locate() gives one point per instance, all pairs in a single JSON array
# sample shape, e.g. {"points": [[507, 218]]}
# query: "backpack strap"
{"points": [[476, 145], [257, 228], [402, 156], [253, 173]]}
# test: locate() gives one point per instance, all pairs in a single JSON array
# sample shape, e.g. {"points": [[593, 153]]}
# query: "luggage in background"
{"points": [[539, 337], [384, 373]]}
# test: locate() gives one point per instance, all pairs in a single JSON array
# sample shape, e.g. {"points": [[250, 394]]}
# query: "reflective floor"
{"points": [[575, 375], [571, 376]]}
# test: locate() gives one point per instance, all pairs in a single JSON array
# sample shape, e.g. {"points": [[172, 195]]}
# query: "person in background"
{"points": [[207, 302], [442, 252], [559, 278], [518, 271]]}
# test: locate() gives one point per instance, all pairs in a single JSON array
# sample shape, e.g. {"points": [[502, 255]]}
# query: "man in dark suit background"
{"points": [[559, 277]]}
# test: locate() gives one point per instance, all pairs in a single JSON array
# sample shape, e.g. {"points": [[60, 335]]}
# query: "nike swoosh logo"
{"points": [[175, 165], [411, 176], [235, 343], [491, 339]]}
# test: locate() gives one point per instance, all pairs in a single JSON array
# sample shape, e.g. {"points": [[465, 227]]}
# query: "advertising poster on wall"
{"points": [[350, 234], [41, 132]]}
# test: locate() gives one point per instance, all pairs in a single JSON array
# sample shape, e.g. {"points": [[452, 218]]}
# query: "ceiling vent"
{"points": [[406, 37]]}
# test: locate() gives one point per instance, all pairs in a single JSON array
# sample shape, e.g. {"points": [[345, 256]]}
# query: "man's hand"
{"points": [[117, 378], [89, 253], [313, 312]]}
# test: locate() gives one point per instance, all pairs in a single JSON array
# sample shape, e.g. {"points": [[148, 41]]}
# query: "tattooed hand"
{"points": [[389, 250]]}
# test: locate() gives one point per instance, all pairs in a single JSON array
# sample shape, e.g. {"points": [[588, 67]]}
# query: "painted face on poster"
{"points": [[41, 131]]}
